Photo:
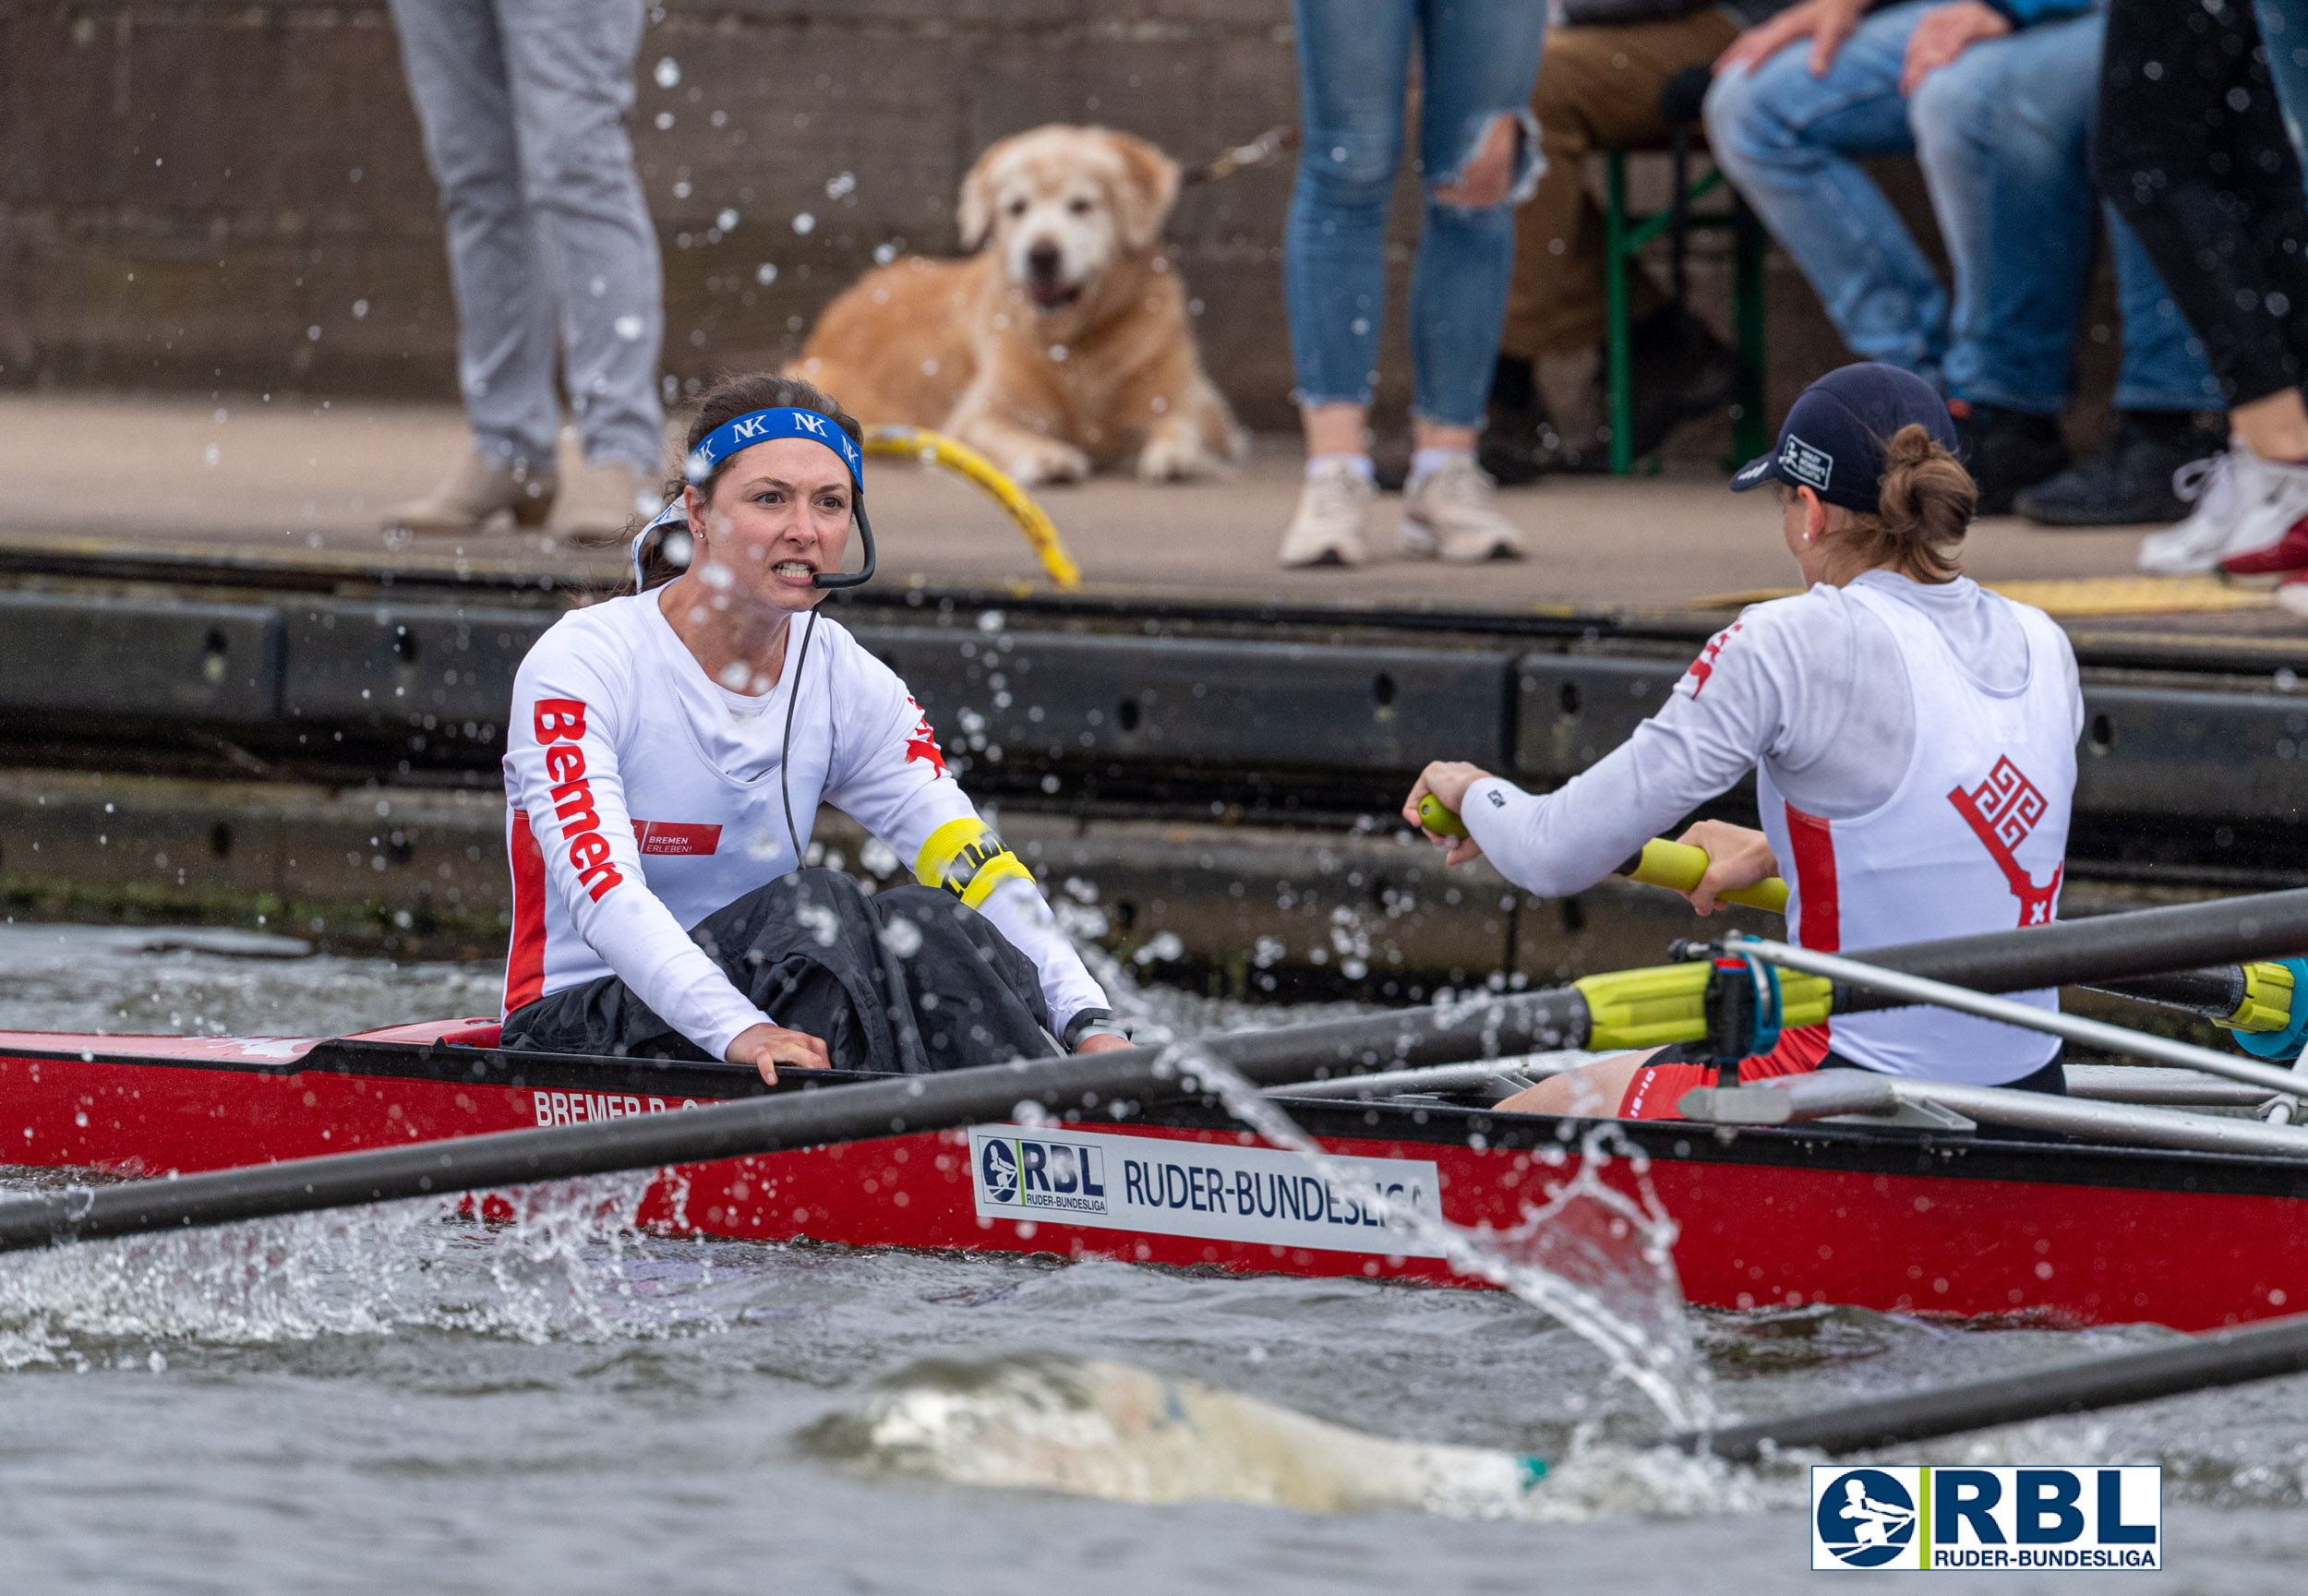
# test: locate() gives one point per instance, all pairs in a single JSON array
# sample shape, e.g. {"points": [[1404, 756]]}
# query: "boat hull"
{"points": [[1891, 1220]]}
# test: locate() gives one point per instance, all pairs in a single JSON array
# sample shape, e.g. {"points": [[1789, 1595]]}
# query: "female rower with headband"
{"points": [[1912, 736], [664, 761]]}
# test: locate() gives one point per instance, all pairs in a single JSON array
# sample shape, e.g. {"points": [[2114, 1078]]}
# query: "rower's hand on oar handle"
{"points": [[1739, 864], [767, 1046], [1435, 800]]}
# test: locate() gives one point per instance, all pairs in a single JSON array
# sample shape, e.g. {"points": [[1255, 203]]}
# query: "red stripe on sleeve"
{"points": [[524, 966], [1814, 847]]}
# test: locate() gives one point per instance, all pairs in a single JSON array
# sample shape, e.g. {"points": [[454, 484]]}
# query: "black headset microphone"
{"points": [[824, 579]]}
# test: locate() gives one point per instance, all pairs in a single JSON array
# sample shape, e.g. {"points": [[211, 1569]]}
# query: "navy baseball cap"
{"points": [[1834, 437]]}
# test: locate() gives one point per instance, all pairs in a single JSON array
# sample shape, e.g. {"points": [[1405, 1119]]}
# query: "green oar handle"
{"points": [[1678, 866]]}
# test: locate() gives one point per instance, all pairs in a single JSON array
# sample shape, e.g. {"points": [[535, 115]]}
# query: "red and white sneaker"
{"points": [[2287, 553], [2242, 503]]}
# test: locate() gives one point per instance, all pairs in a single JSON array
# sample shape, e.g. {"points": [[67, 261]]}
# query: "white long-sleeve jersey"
{"points": [[642, 796], [1811, 690]]}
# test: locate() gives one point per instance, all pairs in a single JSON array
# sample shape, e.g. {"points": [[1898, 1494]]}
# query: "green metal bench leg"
{"points": [[1747, 436], [1618, 354]]}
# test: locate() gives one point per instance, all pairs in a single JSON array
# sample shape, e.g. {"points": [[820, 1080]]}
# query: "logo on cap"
{"points": [[1812, 467]]}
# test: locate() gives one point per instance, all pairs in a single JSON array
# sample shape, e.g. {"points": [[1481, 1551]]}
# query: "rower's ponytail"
{"points": [[1927, 500], [667, 556]]}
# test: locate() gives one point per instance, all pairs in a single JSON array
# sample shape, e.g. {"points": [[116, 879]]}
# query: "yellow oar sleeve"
{"points": [[966, 859], [1680, 866]]}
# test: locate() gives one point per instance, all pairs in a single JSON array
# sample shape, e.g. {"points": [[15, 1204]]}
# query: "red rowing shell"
{"points": [[1817, 1214]]}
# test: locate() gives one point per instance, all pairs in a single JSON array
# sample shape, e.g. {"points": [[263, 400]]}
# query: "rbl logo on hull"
{"points": [[1035, 1173]]}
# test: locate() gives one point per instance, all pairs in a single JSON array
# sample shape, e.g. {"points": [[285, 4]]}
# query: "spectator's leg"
{"points": [[1479, 59], [2212, 191], [1792, 143], [1353, 69], [2002, 132], [571, 68], [455, 59], [2197, 159], [2163, 359]]}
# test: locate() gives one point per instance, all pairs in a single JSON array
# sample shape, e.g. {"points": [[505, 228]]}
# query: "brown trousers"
{"points": [[1598, 89]]}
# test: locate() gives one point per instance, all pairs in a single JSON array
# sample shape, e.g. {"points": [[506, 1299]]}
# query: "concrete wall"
{"points": [[206, 195]]}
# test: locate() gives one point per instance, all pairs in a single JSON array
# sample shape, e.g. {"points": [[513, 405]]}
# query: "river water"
{"points": [[392, 1400]]}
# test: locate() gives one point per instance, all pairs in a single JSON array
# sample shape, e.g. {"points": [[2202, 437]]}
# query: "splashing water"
{"points": [[558, 1267], [1591, 1257]]}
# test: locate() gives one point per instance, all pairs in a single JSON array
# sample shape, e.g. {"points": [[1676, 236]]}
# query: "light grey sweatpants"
{"points": [[524, 105]]}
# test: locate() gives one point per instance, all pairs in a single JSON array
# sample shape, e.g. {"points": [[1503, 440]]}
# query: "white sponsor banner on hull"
{"points": [[1178, 1188]]}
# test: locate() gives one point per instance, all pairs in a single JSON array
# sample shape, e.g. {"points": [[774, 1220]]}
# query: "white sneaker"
{"points": [[2243, 502], [1332, 507], [1448, 512]]}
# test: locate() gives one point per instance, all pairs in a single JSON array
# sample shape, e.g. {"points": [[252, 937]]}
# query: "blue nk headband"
{"points": [[761, 427]]}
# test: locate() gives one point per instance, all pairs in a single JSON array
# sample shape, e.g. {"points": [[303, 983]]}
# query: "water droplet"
{"points": [[765, 273], [629, 328], [726, 221], [884, 253], [805, 223], [664, 120], [681, 190], [212, 454], [360, 308], [836, 187], [668, 73]]}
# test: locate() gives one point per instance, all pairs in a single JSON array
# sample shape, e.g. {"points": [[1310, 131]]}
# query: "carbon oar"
{"points": [[806, 1118], [2222, 1358]]}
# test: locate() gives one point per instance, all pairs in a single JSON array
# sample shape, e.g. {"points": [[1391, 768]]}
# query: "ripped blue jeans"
{"points": [[1478, 60]]}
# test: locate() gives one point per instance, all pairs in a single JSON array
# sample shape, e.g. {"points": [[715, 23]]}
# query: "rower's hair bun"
{"points": [[1926, 503]]}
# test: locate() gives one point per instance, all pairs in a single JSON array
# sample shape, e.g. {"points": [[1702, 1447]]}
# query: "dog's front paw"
{"points": [[1047, 461], [1175, 456]]}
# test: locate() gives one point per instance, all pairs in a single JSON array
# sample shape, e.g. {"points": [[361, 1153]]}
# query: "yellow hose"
{"points": [[936, 449]]}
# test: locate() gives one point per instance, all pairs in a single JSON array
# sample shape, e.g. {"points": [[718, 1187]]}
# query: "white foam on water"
{"points": [[1092, 1427]]}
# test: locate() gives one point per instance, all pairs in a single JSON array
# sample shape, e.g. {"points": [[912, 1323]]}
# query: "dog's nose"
{"points": [[1042, 260]]}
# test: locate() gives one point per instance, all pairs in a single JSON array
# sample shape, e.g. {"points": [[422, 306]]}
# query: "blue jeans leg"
{"points": [[1353, 68], [1479, 59], [2003, 133], [1792, 142]]}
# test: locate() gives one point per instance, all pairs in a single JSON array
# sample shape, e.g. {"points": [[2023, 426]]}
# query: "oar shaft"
{"points": [[784, 1120], [2225, 1358]]}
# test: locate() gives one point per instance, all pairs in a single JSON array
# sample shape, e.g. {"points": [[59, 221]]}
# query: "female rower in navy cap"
{"points": [[664, 761], [1912, 738]]}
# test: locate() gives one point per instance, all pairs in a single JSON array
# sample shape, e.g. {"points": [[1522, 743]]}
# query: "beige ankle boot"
{"points": [[599, 501], [475, 490]]}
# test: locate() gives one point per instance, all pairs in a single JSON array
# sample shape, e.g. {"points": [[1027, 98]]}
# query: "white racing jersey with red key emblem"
{"points": [[642, 796], [1973, 838]]}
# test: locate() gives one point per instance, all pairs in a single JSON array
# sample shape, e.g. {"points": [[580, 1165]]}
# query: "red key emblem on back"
{"points": [[2002, 811]]}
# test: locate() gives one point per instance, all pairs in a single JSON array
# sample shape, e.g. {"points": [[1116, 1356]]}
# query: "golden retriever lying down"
{"points": [[1062, 347]]}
